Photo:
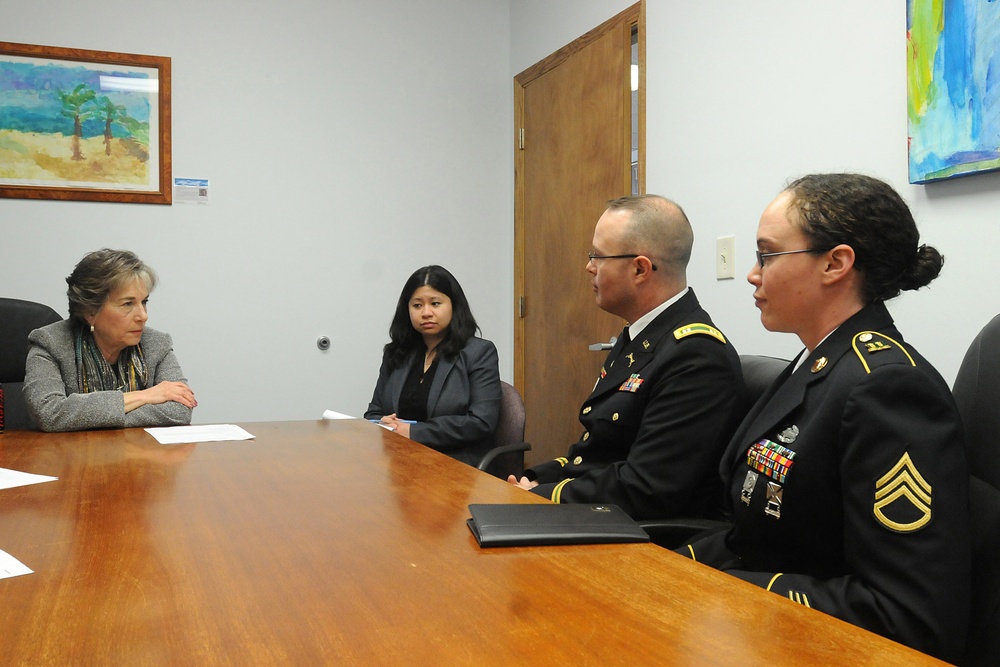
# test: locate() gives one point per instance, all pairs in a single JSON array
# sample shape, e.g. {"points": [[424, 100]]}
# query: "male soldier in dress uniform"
{"points": [[671, 390]]}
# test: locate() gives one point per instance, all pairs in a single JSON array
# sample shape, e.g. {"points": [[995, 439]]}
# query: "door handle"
{"points": [[597, 347]]}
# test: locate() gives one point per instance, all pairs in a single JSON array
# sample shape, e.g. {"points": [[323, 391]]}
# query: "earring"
{"points": [[91, 328]]}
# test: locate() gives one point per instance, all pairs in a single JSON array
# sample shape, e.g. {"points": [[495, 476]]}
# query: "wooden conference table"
{"points": [[342, 543]]}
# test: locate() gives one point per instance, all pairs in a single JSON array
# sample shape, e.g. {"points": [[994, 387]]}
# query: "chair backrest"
{"points": [[759, 372], [510, 425], [977, 393], [17, 319], [509, 434]]}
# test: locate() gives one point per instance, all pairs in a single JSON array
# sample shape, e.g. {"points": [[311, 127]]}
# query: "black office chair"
{"points": [[758, 374], [977, 393], [507, 456], [17, 319]]}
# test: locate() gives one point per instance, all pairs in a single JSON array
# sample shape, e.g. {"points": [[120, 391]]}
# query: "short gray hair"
{"points": [[658, 228], [98, 274]]}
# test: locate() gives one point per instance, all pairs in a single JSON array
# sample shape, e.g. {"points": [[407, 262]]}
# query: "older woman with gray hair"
{"points": [[103, 367]]}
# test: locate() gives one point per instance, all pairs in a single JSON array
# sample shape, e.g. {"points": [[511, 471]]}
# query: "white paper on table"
{"points": [[331, 414], [11, 567], [11, 478], [175, 435]]}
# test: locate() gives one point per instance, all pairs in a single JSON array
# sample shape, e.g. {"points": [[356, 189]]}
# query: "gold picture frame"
{"points": [[77, 124]]}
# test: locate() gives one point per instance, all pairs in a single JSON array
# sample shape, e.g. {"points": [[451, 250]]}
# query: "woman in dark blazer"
{"points": [[439, 384], [847, 480]]}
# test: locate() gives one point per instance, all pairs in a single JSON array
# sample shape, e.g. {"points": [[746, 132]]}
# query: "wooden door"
{"points": [[572, 155]]}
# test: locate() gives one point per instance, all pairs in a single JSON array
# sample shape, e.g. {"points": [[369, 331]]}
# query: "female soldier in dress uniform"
{"points": [[848, 480]]}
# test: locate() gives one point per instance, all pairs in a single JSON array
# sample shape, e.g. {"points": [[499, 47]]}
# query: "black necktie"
{"points": [[623, 340]]}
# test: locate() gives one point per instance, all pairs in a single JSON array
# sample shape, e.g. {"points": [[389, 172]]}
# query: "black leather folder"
{"points": [[511, 525]]}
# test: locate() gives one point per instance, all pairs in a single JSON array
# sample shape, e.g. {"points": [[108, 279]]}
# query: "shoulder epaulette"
{"points": [[698, 328], [869, 344]]}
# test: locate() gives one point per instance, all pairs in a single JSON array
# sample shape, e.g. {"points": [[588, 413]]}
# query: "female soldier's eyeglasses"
{"points": [[761, 256]]}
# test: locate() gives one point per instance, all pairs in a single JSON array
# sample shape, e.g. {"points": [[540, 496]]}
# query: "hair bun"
{"points": [[927, 263]]}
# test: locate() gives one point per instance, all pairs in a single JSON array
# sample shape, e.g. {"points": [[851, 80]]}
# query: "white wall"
{"points": [[539, 28], [350, 142], [743, 96], [347, 143]]}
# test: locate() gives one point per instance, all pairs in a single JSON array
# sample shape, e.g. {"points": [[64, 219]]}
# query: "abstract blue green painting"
{"points": [[953, 88]]}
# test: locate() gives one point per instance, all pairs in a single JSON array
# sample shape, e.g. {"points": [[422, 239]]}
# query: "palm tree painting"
{"points": [[110, 113], [77, 105], [78, 124]]}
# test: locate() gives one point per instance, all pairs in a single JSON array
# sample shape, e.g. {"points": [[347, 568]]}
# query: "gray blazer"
{"points": [[463, 406], [50, 385]]}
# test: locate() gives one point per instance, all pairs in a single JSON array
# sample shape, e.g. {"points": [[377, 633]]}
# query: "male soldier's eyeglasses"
{"points": [[593, 257]]}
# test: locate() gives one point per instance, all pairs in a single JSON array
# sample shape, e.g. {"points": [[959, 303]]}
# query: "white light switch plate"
{"points": [[725, 265]]}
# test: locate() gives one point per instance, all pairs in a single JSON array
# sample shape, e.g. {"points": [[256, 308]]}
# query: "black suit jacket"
{"points": [[463, 405], [656, 423], [849, 478]]}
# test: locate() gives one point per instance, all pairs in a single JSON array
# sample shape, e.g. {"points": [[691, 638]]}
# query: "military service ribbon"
{"points": [[632, 384], [771, 459]]}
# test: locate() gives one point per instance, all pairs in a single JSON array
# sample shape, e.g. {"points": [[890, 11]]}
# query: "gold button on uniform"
{"points": [[586, 410], [578, 460], [586, 435], [614, 417]]}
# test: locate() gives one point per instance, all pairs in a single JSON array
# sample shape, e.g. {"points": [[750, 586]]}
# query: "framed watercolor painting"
{"points": [[953, 87], [84, 125]]}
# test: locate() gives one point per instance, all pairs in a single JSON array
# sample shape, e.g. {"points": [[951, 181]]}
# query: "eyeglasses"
{"points": [[593, 257], [761, 256]]}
